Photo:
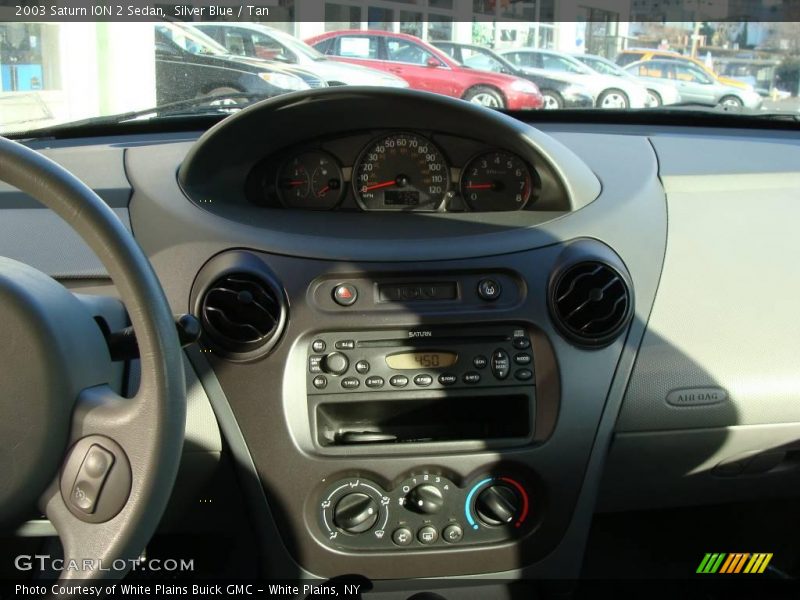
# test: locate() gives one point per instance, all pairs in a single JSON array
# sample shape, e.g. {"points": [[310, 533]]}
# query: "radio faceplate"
{"points": [[424, 358]]}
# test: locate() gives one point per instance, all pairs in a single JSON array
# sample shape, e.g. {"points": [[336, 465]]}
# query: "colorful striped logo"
{"points": [[738, 562]]}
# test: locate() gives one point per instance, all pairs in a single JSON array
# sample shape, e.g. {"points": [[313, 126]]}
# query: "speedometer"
{"points": [[401, 171]]}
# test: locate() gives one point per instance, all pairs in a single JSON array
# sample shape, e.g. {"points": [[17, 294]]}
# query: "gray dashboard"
{"points": [[696, 401]]}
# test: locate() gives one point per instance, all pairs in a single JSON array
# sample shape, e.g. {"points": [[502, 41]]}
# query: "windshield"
{"points": [[173, 61]]}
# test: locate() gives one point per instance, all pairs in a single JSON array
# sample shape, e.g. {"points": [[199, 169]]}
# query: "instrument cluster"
{"points": [[396, 171]]}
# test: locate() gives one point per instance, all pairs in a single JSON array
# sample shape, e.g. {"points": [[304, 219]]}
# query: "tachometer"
{"points": [[496, 181], [401, 171], [311, 180]]}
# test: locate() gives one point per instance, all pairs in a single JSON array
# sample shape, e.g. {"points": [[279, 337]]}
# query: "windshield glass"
{"points": [[177, 60]]}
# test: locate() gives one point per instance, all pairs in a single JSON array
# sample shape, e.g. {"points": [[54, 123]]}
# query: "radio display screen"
{"points": [[421, 360]]}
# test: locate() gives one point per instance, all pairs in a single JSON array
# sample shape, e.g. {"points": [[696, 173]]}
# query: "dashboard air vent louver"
{"points": [[242, 313], [591, 303]]}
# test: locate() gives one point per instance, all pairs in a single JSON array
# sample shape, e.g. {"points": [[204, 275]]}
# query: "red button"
{"points": [[345, 294]]}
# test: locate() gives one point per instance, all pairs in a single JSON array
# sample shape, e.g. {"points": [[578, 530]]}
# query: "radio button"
{"points": [[315, 364], [522, 358], [335, 363], [472, 377], [345, 345], [398, 381], [320, 382], [318, 346], [374, 382], [362, 366], [500, 363], [350, 383], [480, 362], [521, 343], [423, 380], [523, 374], [447, 379]]}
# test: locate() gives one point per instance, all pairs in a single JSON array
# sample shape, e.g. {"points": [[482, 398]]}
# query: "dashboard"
{"points": [[423, 382]]}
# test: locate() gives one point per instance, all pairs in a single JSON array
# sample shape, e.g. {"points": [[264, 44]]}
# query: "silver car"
{"points": [[694, 84], [261, 41], [658, 92], [609, 92]]}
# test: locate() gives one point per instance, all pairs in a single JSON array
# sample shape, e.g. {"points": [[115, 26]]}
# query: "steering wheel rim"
{"points": [[148, 428]]}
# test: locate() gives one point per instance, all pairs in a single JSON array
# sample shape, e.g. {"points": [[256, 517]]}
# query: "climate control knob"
{"points": [[498, 504], [425, 499], [355, 513], [335, 363]]}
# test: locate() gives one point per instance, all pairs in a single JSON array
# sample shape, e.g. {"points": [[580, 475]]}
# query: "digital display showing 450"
{"points": [[421, 360]]}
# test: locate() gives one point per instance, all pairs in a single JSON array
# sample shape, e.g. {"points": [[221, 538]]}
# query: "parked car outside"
{"points": [[694, 84], [659, 93], [627, 57], [189, 64], [428, 68], [261, 41], [557, 93], [610, 92]]}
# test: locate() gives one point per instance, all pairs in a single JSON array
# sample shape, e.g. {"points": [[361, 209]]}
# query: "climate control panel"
{"points": [[425, 511]]}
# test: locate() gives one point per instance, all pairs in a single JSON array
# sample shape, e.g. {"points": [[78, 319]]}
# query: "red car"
{"points": [[427, 68]]}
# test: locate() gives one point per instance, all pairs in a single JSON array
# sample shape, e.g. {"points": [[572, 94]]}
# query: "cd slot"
{"points": [[432, 341]]}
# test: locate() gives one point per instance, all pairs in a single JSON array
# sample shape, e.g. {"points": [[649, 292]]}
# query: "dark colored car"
{"points": [[190, 64], [556, 92], [427, 68]]}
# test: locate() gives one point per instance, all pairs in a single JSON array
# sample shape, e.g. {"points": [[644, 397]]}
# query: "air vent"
{"points": [[242, 314], [591, 303]]}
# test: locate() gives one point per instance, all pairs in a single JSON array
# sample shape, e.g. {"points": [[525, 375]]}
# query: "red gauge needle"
{"points": [[295, 182], [323, 191], [377, 186], [480, 186]]}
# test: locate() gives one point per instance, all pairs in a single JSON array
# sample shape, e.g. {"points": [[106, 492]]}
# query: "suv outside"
{"points": [[427, 68]]}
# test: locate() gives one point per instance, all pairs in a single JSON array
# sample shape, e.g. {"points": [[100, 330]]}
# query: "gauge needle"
{"points": [[295, 182], [323, 191], [480, 186], [377, 186]]}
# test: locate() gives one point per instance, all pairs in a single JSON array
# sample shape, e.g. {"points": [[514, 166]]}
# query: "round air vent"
{"points": [[591, 303], [242, 314]]}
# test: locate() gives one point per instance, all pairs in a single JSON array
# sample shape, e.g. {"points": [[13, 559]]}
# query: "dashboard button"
{"points": [[362, 366], [374, 382], [472, 377], [523, 374], [489, 290], [398, 381], [345, 345], [315, 364], [423, 380], [335, 363], [427, 535], [345, 294], [350, 383], [318, 345], [452, 533], [521, 343], [500, 363], [320, 382], [447, 379], [522, 358], [402, 536], [480, 362]]}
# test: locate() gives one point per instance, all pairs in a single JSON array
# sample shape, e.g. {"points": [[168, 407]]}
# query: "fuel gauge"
{"points": [[311, 180]]}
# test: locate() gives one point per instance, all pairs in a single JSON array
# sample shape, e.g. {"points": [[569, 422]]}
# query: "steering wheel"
{"points": [[101, 466]]}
